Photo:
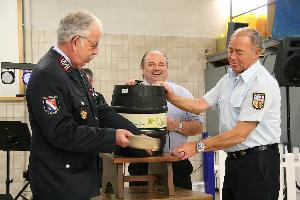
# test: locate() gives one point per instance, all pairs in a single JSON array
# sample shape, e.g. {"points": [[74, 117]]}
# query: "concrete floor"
{"points": [[199, 187]]}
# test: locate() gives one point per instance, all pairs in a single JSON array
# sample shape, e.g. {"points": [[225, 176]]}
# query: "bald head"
{"points": [[153, 52], [154, 65]]}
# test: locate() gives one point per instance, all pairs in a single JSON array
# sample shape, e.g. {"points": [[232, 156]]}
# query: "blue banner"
{"points": [[286, 19]]}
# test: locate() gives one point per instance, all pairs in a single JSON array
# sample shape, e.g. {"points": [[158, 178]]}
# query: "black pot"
{"points": [[139, 99]]}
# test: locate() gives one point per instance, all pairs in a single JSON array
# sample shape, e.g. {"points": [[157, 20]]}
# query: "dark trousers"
{"points": [[182, 171], [252, 176]]}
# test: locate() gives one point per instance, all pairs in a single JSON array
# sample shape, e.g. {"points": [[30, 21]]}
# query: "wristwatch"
{"points": [[180, 126], [200, 146]]}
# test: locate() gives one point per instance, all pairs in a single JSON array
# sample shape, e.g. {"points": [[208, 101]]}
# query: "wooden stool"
{"points": [[160, 169]]}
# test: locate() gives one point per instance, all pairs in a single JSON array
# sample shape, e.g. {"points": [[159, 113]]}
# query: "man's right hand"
{"points": [[122, 137], [134, 82], [168, 89], [130, 82]]}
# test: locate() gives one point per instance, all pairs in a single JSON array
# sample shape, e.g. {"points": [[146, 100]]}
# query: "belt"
{"points": [[238, 154]]}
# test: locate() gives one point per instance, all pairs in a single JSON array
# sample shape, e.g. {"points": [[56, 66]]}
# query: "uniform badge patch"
{"points": [[83, 113], [258, 100], [51, 104]]}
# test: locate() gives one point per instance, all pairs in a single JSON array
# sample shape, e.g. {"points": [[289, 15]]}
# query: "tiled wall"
{"points": [[117, 62]]}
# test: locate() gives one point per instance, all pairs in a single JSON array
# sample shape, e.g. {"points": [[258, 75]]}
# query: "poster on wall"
{"points": [[9, 48]]}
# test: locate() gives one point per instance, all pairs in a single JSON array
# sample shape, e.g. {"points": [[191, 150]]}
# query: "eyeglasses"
{"points": [[93, 44]]}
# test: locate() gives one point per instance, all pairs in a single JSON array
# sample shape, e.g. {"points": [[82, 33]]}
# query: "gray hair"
{"points": [[254, 35], [75, 23], [153, 51]]}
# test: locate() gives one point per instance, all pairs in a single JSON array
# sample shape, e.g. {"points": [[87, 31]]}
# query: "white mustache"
{"points": [[90, 58]]}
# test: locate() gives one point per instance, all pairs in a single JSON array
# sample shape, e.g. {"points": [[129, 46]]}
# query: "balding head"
{"points": [[153, 52], [254, 36], [154, 65]]}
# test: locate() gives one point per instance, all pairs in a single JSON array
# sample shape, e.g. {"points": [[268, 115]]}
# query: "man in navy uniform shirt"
{"points": [[68, 129]]}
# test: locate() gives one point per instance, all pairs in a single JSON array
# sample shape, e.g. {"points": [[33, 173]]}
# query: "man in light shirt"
{"points": [[180, 124], [248, 101]]}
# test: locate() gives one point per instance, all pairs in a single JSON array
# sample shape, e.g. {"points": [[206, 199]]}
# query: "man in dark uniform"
{"points": [[68, 130], [100, 103]]}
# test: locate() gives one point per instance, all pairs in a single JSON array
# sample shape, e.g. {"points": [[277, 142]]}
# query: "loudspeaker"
{"points": [[233, 26], [287, 64]]}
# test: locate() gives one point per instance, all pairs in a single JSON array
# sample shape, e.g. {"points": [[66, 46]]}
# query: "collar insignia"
{"points": [[51, 105], [258, 100], [65, 65]]}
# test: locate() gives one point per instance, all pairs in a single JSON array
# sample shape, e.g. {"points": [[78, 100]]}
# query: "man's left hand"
{"points": [[172, 125], [186, 150]]}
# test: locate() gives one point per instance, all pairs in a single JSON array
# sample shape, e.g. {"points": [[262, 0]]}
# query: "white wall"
{"points": [[9, 49], [201, 18]]}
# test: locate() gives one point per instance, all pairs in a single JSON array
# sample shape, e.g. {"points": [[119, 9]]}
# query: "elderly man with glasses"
{"points": [[68, 128]]}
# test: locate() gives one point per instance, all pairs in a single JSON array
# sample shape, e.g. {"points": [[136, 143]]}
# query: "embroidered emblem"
{"points": [[51, 104], [83, 113], [258, 100]]}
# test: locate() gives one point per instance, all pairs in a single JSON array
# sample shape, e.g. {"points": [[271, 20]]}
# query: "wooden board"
{"points": [[118, 159]]}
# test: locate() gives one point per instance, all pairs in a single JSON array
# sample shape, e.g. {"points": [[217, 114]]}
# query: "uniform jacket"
{"points": [[68, 131]]}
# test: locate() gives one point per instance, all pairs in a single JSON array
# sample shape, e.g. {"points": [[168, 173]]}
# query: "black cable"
{"points": [[168, 133], [264, 60], [297, 186], [197, 168], [285, 193]]}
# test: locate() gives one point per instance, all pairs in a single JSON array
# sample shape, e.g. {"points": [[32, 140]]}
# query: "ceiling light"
{"points": [[26, 77]]}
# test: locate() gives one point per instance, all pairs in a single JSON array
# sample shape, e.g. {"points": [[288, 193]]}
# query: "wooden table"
{"points": [[160, 170], [141, 193]]}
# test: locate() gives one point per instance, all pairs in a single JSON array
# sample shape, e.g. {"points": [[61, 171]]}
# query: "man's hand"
{"points": [[122, 137], [130, 82], [186, 150], [172, 125], [134, 82], [168, 89]]}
